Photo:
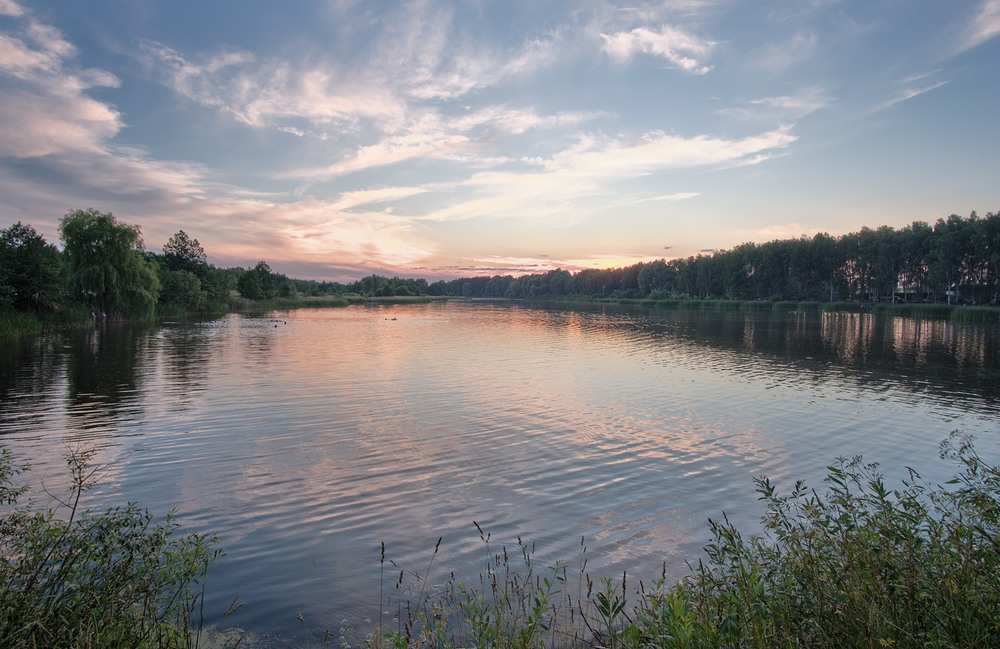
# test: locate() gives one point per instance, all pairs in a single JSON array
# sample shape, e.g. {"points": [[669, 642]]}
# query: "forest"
{"points": [[104, 268], [956, 261]]}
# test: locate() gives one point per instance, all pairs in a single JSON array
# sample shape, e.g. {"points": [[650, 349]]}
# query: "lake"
{"points": [[305, 439]]}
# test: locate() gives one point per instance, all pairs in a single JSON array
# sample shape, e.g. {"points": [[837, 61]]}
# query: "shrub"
{"points": [[860, 566], [115, 579]]}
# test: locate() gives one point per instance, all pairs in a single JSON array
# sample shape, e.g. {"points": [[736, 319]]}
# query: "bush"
{"points": [[860, 566], [115, 579]]}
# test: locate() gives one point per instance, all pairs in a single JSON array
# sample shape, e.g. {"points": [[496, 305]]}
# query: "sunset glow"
{"points": [[441, 139]]}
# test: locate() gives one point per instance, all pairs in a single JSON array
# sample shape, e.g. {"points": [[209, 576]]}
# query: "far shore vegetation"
{"points": [[103, 272]]}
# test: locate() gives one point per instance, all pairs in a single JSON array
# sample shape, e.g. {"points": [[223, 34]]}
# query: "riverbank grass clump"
{"points": [[120, 578], [861, 564]]}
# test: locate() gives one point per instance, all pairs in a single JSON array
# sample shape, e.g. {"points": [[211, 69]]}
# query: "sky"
{"points": [[341, 138]]}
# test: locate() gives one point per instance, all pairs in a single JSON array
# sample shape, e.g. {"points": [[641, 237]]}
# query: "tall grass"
{"points": [[22, 324], [858, 564], [976, 315], [15, 324], [239, 304]]}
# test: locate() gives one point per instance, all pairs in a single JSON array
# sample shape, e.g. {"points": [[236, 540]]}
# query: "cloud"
{"points": [[393, 83], [983, 26], [392, 150], [783, 108], [276, 94], [38, 124], [10, 8], [459, 139], [515, 121], [658, 150], [679, 196], [780, 231], [374, 196], [563, 188], [368, 238], [681, 49], [776, 57], [517, 266], [44, 108], [914, 87]]}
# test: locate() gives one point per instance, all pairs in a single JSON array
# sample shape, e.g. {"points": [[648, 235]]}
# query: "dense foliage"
{"points": [[107, 271], [120, 578], [31, 271]]}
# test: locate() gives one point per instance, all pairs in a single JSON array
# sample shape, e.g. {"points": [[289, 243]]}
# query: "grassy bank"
{"points": [[238, 304], [957, 314], [396, 299], [15, 325], [856, 565]]}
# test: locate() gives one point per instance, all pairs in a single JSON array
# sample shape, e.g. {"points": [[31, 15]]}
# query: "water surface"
{"points": [[307, 438]]}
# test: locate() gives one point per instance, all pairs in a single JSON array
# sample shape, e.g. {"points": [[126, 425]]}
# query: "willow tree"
{"points": [[106, 267]]}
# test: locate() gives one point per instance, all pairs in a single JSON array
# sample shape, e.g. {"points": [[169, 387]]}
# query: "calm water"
{"points": [[307, 438]]}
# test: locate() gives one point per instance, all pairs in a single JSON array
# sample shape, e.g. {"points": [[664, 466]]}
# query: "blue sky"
{"points": [[438, 139]]}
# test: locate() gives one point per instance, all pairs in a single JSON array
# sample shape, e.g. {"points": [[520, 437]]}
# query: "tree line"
{"points": [[103, 266], [957, 261]]}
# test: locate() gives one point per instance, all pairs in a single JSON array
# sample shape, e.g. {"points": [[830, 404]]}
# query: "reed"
{"points": [[835, 307], [15, 324], [989, 315], [915, 310]]}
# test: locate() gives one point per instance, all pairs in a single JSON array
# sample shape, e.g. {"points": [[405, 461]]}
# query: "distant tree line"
{"points": [[104, 267], [956, 260]]}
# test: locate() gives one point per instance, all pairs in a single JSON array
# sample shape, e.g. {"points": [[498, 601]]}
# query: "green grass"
{"points": [[238, 304], [20, 324], [976, 315], [397, 299], [15, 324], [857, 565]]}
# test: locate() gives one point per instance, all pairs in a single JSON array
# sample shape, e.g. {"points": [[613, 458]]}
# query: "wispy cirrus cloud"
{"points": [[912, 86], [784, 107], [277, 94], [658, 150], [780, 55], [465, 138], [680, 48], [415, 64], [591, 170], [983, 25]]}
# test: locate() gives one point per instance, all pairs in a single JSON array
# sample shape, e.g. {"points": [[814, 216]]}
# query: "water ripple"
{"points": [[307, 438]]}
